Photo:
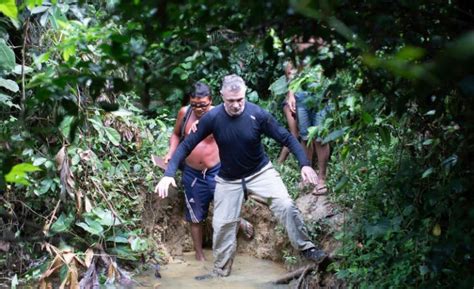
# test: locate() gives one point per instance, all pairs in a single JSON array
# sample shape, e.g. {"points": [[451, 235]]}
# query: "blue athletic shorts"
{"points": [[199, 189]]}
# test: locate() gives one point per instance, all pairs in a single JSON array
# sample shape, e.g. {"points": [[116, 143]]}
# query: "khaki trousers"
{"points": [[228, 197]]}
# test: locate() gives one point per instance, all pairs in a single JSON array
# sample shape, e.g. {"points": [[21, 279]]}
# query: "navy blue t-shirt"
{"points": [[239, 141]]}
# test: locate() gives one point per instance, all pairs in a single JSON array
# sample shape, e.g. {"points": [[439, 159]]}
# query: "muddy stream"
{"points": [[247, 273]]}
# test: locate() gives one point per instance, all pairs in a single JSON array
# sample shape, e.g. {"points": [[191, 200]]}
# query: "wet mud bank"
{"points": [[164, 220]]}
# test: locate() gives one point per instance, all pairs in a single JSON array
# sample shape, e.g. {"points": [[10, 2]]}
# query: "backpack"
{"points": [[183, 124]]}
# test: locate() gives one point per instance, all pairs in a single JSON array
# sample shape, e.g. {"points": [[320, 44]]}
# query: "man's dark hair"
{"points": [[200, 90]]}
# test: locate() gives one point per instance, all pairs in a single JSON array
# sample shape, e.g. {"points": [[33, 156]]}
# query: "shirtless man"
{"points": [[200, 167]]}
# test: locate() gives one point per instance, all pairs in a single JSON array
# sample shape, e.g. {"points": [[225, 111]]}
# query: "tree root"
{"points": [[300, 272]]}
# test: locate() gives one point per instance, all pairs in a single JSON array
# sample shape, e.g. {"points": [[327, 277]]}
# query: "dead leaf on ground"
{"points": [[87, 204], [89, 256], [65, 173]]}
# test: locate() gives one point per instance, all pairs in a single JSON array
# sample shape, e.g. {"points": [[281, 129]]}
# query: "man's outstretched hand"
{"points": [[163, 186], [309, 175]]}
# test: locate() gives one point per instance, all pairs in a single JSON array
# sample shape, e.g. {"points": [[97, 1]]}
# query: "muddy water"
{"points": [[247, 273]]}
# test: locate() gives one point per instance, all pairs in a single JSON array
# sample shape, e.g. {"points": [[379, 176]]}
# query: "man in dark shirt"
{"points": [[238, 127]]}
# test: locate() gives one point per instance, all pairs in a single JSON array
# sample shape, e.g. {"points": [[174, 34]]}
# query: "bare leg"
{"points": [[292, 127], [322, 152], [308, 150], [283, 155], [196, 235], [247, 228]]}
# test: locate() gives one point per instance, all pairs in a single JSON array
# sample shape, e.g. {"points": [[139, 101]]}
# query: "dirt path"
{"points": [[248, 273]]}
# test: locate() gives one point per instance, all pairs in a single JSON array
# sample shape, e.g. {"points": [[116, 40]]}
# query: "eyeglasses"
{"points": [[199, 105]]}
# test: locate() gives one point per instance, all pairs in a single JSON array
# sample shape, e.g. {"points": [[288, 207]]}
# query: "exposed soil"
{"points": [[164, 218]]}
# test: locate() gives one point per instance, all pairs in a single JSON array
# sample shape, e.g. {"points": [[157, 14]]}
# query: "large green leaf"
{"points": [[18, 173], [123, 252], [7, 57], [65, 125], [18, 69], [342, 183], [91, 226], [378, 229], [138, 244], [69, 51], [45, 186], [63, 223], [279, 87], [112, 135], [118, 239], [8, 8], [58, 20], [7, 100], [335, 134], [105, 217], [9, 84]]}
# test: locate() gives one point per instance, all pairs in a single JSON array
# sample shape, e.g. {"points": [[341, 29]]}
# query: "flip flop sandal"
{"points": [[320, 191]]}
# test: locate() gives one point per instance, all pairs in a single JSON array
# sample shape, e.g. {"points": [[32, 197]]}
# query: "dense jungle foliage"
{"points": [[89, 89]]}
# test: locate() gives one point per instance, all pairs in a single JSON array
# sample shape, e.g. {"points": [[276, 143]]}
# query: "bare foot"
{"points": [[200, 256], [247, 229]]}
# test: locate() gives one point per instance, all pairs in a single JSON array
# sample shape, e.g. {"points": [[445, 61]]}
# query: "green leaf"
{"points": [[123, 252], [26, 69], [14, 282], [112, 135], [428, 142], [69, 51], [105, 217], [39, 9], [65, 126], [279, 87], [7, 100], [378, 229], [63, 223], [450, 162], [423, 270], [253, 96], [7, 57], [385, 135], [46, 185], [341, 184], [410, 53], [335, 135], [368, 119], [92, 227], [9, 9], [42, 58], [350, 103], [431, 112], [97, 124], [138, 245], [9, 84], [39, 161], [427, 173], [58, 20], [18, 173], [118, 239]]}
